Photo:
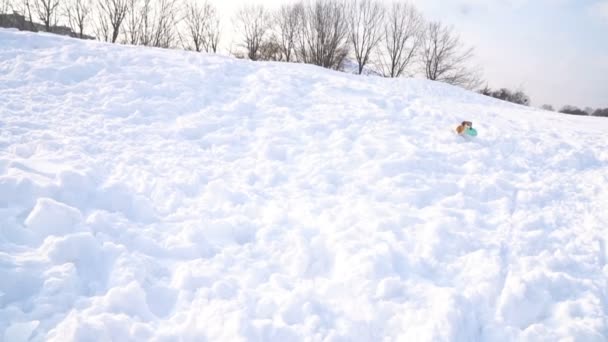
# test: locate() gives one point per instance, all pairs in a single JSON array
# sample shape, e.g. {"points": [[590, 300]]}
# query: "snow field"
{"points": [[152, 195]]}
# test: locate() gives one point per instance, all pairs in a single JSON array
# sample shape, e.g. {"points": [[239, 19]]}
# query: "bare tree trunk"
{"points": [[111, 16], [253, 22], [77, 13], [323, 37], [163, 32], [444, 59], [195, 20], [401, 39], [47, 13], [288, 24], [365, 17]]}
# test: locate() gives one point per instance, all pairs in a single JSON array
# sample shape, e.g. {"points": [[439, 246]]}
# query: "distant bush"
{"points": [[572, 110], [505, 94], [548, 107], [601, 112], [270, 50]]}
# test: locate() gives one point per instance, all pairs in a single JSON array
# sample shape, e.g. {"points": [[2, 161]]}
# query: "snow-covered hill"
{"points": [[154, 195]]}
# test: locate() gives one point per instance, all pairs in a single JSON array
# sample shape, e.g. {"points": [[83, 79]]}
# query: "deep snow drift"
{"points": [[157, 195]]}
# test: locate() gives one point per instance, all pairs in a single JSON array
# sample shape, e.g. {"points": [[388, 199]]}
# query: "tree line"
{"points": [[574, 110], [519, 97], [391, 40], [187, 24]]}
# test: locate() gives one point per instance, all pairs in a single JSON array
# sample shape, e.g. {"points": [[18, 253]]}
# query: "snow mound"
{"points": [[50, 217], [153, 195]]}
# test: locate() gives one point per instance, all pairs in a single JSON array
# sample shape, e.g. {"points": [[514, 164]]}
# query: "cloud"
{"points": [[600, 9], [471, 7]]}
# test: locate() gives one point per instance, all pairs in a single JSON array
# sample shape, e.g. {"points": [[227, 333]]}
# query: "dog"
{"points": [[463, 127]]}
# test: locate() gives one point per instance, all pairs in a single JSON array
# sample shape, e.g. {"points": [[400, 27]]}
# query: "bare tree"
{"points": [[5, 6], [195, 20], [213, 34], [163, 33], [401, 39], [287, 21], [202, 25], [145, 27], [47, 13], [111, 16], [253, 22], [26, 7], [132, 23], [365, 18], [444, 58], [102, 29], [77, 13], [150, 23], [323, 39]]}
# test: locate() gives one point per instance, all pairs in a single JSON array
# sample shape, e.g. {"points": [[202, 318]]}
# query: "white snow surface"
{"points": [[155, 195]]}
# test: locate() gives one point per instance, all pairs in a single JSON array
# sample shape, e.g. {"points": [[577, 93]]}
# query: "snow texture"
{"points": [[154, 195]]}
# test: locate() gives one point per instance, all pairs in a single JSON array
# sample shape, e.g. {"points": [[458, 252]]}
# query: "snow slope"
{"points": [[153, 195]]}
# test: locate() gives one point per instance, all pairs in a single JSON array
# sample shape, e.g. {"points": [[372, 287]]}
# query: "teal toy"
{"points": [[471, 131]]}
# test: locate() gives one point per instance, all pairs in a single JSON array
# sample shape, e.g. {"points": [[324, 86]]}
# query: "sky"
{"points": [[556, 51]]}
